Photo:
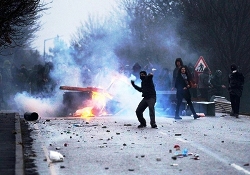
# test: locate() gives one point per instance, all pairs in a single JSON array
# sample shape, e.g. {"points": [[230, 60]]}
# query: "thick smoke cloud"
{"points": [[102, 69]]}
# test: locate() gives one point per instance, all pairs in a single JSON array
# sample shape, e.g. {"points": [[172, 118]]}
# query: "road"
{"points": [[114, 145]]}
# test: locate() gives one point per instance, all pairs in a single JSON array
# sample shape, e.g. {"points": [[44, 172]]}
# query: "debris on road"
{"points": [[55, 156]]}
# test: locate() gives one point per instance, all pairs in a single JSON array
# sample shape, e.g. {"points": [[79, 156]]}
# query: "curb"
{"points": [[19, 165]]}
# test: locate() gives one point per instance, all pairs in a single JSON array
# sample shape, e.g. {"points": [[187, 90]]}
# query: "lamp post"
{"points": [[44, 44]]}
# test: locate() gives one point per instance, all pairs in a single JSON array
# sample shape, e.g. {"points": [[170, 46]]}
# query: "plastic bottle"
{"points": [[185, 152]]}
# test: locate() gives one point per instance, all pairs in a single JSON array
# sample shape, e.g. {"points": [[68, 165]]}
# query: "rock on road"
{"points": [[114, 145]]}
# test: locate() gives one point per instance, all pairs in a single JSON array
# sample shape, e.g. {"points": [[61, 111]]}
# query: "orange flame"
{"points": [[84, 112], [96, 106]]}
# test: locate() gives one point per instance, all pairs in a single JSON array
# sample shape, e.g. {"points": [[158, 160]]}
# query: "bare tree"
{"points": [[16, 18], [220, 29]]}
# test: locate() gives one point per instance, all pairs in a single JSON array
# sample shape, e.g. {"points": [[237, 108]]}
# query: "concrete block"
{"points": [[208, 108]]}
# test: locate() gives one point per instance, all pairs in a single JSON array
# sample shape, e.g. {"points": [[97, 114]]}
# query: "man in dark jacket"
{"points": [[216, 83], [235, 88], [149, 99], [204, 84], [178, 63]]}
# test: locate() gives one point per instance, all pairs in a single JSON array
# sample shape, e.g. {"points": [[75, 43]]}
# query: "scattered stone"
{"points": [[170, 151], [106, 168], [158, 159], [117, 133], [127, 125], [58, 148], [174, 157], [131, 169], [65, 144], [62, 166], [104, 127], [178, 134], [142, 155], [247, 164], [108, 131], [124, 144], [174, 164]]}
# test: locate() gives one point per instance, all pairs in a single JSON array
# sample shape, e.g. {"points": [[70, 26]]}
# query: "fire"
{"points": [[84, 112], [95, 106]]}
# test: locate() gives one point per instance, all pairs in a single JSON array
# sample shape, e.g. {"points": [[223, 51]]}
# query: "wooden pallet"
{"points": [[222, 105]]}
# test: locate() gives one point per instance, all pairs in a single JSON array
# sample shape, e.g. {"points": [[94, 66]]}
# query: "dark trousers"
{"points": [[189, 102], [235, 103], [146, 102]]}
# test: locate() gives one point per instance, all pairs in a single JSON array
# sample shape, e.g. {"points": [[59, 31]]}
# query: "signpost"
{"points": [[200, 65]]}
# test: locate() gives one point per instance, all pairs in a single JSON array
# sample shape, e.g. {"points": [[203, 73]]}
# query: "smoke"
{"points": [[97, 65], [45, 107]]}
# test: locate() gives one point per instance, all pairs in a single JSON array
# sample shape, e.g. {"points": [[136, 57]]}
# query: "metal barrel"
{"points": [[31, 116]]}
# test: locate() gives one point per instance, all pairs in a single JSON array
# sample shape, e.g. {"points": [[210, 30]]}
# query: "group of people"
{"points": [[15, 79], [182, 82], [210, 85]]}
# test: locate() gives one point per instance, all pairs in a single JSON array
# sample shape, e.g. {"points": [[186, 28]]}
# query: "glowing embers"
{"points": [[95, 106]]}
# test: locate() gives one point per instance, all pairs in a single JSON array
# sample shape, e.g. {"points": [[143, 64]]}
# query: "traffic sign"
{"points": [[200, 65]]}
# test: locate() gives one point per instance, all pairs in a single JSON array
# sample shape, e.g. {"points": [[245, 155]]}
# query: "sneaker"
{"points": [[154, 126], [141, 126], [177, 118], [196, 116]]}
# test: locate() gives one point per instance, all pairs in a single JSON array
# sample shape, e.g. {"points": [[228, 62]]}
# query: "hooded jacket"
{"points": [[175, 72], [236, 82], [147, 87]]}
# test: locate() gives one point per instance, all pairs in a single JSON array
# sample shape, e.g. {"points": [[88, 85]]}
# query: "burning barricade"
{"points": [[86, 102]]}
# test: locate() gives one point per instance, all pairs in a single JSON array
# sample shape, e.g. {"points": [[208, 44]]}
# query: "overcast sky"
{"points": [[65, 16]]}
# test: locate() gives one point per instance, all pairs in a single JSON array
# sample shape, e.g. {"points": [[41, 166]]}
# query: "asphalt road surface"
{"points": [[114, 145]]}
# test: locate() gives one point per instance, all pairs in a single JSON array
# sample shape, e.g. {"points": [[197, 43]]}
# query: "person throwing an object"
{"points": [[182, 85], [149, 99]]}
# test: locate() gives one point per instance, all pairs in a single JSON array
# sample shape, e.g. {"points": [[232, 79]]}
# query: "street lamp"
{"points": [[44, 43]]}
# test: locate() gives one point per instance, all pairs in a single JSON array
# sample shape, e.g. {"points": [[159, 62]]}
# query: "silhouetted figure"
{"points": [[216, 84], [149, 99], [204, 84], [235, 88], [178, 63]]}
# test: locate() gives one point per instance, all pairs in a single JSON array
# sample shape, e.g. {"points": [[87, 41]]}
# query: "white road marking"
{"points": [[210, 153], [240, 168]]}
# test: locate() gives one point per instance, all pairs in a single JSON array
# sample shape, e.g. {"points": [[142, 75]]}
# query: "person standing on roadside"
{"points": [[182, 85], [204, 84], [178, 63], [235, 88], [216, 84], [149, 99]]}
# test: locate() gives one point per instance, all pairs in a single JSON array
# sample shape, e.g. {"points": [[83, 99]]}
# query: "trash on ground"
{"points": [[55, 156]]}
